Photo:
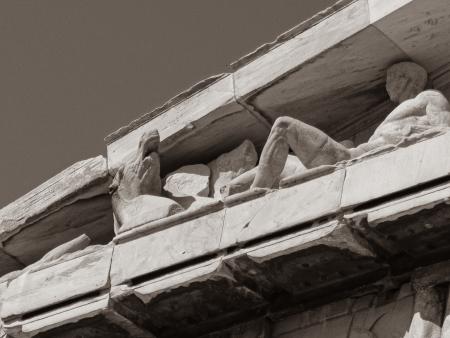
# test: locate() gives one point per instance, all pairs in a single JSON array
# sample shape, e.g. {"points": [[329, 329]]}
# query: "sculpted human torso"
{"points": [[427, 110]]}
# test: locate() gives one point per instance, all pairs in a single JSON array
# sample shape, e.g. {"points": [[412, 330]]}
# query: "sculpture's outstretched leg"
{"points": [[312, 146]]}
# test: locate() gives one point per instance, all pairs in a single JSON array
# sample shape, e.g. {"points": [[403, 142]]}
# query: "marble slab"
{"points": [[394, 171], [163, 249], [57, 282], [420, 28], [283, 209]]}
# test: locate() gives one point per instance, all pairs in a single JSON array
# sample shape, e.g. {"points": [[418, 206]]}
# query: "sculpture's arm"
{"points": [[408, 108], [437, 107], [431, 103]]}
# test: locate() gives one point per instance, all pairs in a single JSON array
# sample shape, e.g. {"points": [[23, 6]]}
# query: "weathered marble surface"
{"points": [[231, 165], [136, 189], [283, 209], [243, 182], [394, 171], [76, 275], [189, 185], [420, 28], [88, 318], [283, 80], [174, 245], [215, 297], [73, 202], [190, 180]]}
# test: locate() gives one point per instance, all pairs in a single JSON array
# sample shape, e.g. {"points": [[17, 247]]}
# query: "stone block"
{"points": [[199, 299], [190, 180], [73, 276], [189, 185], [415, 225], [179, 242], [283, 209], [307, 263], [88, 318], [396, 170], [230, 165]]}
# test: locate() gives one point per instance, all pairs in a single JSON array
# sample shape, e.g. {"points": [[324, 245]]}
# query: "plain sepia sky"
{"points": [[73, 71]]}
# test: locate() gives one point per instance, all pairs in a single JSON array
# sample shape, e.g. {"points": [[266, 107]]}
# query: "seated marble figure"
{"points": [[136, 188], [419, 110]]}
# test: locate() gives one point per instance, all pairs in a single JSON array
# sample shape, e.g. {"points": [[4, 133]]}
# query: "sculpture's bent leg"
{"points": [[312, 146]]}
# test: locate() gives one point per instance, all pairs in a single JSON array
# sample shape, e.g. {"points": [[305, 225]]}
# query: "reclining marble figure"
{"points": [[136, 188], [418, 111]]}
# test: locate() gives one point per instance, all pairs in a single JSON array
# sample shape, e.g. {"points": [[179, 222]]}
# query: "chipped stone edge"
{"points": [[149, 290], [332, 234], [168, 222], [357, 217], [309, 175], [16, 326]]}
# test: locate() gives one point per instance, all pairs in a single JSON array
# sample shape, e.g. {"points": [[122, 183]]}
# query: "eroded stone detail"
{"points": [[230, 165], [136, 189], [243, 182], [189, 185]]}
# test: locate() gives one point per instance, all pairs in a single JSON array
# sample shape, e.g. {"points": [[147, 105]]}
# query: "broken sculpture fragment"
{"points": [[136, 189]]}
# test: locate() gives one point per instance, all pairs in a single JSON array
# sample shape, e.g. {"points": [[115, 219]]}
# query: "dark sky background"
{"points": [[73, 71]]}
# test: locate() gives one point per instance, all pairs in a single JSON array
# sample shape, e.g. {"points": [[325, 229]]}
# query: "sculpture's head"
{"points": [[405, 80]]}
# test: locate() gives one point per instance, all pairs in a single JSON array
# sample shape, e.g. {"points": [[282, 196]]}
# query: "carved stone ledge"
{"points": [[50, 284], [402, 168], [89, 318], [163, 249], [214, 296], [414, 227], [306, 263]]}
